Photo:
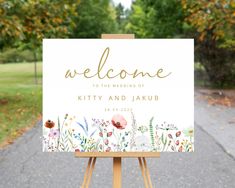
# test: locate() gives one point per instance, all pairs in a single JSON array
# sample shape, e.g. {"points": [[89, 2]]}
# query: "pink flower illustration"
{"points": [[178, 134], [119, 121], [180, 149], [100, 134], [109, 134], [106, 141], [54, 133], [170, 136]]}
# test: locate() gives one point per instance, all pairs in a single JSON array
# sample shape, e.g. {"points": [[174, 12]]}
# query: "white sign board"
{"points": [[110, 95]]}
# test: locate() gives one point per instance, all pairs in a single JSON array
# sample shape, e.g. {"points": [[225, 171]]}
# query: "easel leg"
{"points": [[117, 172], [145, 172], [88, 173]]}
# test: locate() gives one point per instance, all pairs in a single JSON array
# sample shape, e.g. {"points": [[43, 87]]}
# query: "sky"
{"points": [[125, 3]]}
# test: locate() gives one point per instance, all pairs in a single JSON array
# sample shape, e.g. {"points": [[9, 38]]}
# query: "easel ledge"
{"points": [[117, 154]]}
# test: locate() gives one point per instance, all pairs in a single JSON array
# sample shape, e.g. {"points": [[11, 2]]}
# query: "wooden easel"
{"points": [[117, 156], [117, 161]]}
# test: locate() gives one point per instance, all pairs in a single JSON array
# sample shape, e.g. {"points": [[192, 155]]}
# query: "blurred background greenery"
{"points": [[24, 23]]}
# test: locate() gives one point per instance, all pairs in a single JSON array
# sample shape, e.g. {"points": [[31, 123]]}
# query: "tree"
{"points": [[120, 13], [158, 19], [27, 22], [94, 18], [214, 19], [214, 22], [138, 20], [10, 22], [46, 19], [120, 17]]}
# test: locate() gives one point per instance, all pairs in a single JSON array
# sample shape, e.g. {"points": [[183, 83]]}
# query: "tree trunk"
{"points": [[35, 68]]}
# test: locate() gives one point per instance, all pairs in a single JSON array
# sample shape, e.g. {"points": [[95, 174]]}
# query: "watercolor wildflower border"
{"points": [[112, 136]]}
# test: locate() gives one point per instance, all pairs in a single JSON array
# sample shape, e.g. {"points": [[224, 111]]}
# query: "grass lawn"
{"points": [[20, 99]]}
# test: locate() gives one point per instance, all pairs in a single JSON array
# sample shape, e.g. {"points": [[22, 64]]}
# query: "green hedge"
{"points": [[14, 56]]}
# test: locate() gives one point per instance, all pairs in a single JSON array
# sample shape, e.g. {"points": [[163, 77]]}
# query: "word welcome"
{"points": [[110, 73]]}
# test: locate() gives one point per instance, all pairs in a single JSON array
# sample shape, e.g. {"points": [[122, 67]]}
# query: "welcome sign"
{"points": [[118, 95]]}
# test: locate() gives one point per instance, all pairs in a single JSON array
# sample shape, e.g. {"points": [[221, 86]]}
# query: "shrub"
{"points": [[14, 55]]}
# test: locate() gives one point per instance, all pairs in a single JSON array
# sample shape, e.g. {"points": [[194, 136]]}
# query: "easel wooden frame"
{"points": [[117, 156]]}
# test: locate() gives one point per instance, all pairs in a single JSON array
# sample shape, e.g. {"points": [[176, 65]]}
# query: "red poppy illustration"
{"points": [[119, 121], [49, 124]]}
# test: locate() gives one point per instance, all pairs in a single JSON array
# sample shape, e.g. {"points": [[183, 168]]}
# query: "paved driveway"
{"points": [[212, 164]]}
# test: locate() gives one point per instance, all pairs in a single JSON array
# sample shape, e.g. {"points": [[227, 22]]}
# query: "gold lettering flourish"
{"points": [[110, 73]]}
